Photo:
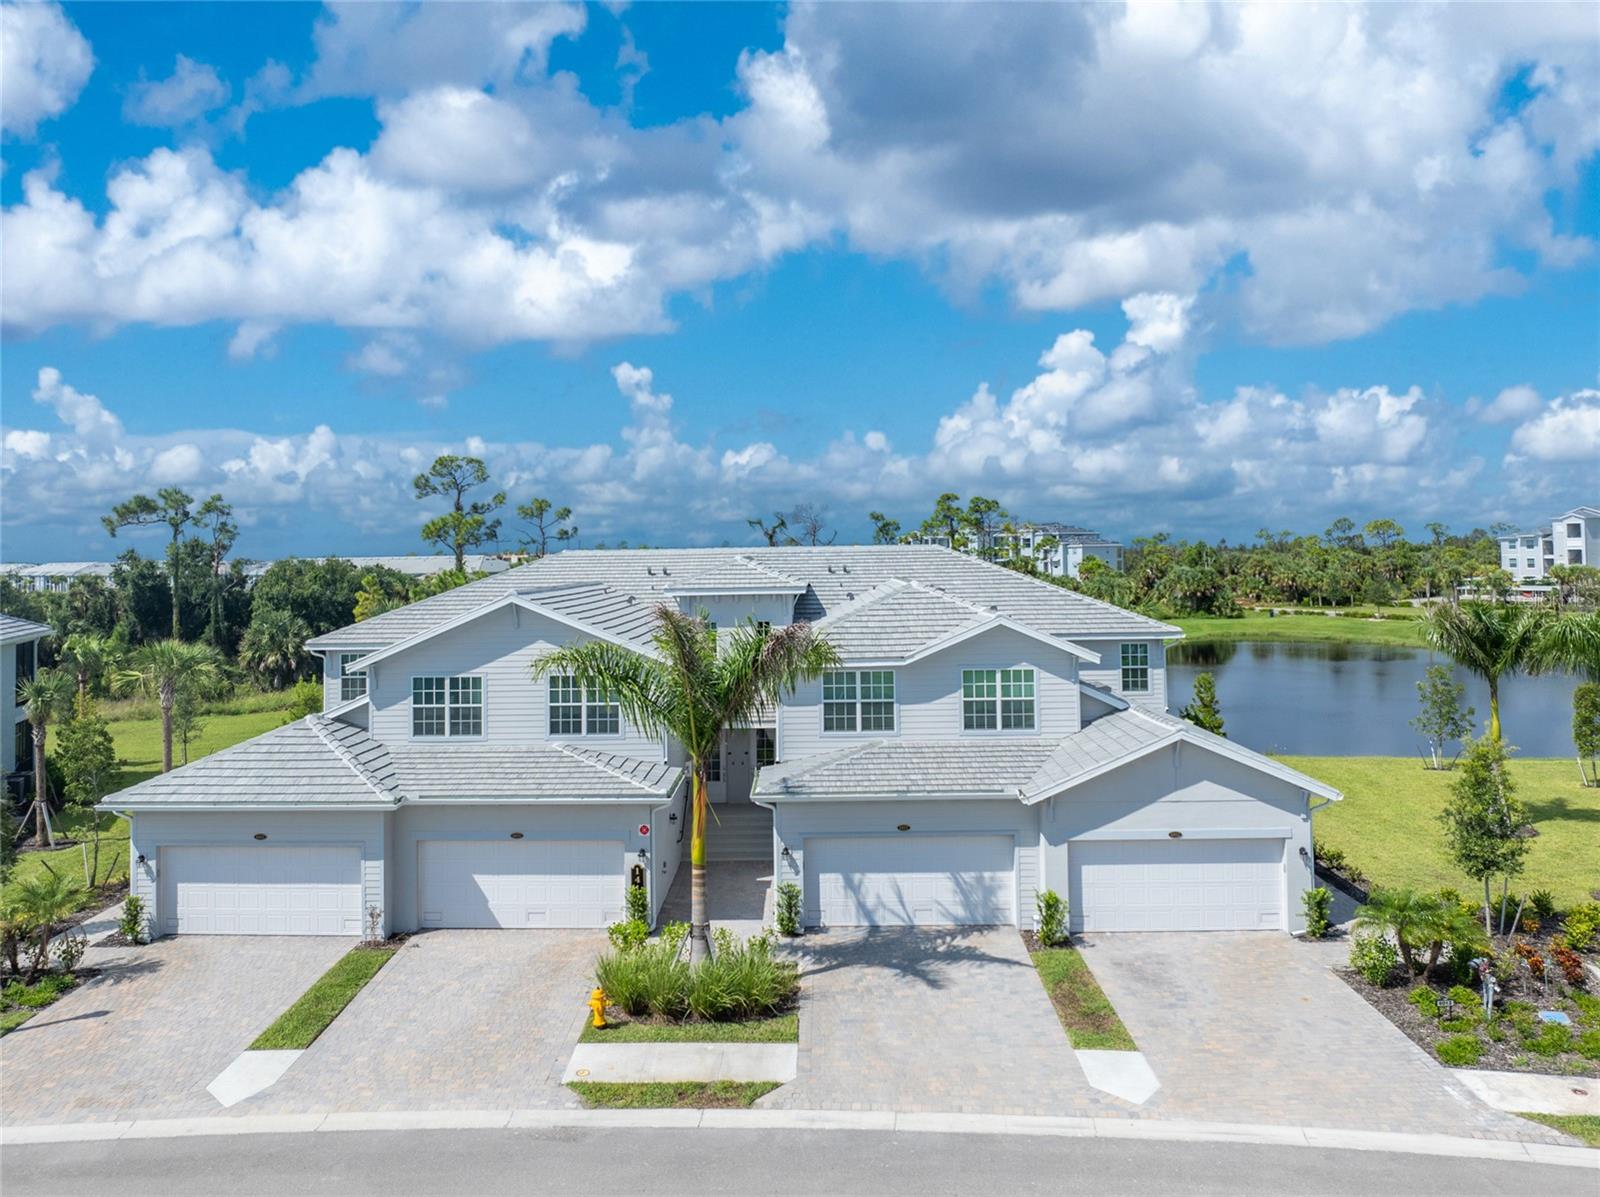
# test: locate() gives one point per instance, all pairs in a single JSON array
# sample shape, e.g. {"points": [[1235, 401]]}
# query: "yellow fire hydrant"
{"points": [[597, 1003]]}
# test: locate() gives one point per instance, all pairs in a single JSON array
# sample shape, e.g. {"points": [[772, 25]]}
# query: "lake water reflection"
{"points": [[1320, 699]]}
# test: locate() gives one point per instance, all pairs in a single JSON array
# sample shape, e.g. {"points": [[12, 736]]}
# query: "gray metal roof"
{"points": [[894, 620], [14, 630], [321, 762], [1027, 769], [629, 582]]}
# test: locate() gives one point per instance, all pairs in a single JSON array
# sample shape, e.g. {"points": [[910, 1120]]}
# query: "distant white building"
{"points": [[19, 657], [1570, 539], [58, 575], [1058, 550]]}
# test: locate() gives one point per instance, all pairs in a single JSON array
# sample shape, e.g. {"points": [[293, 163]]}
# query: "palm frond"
{"points": [[640, 686], [758, 669]]}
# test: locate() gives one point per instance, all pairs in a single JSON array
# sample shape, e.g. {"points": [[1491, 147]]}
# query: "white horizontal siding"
{"points": [[1109, 672], [928, 694]]}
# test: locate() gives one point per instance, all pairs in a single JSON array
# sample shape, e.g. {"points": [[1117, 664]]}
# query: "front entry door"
{"points": [[738, 765]]}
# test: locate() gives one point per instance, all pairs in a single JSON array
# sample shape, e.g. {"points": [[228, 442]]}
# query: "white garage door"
{"points": [[521, 883], [1176, 885], [261, 889], [909, 880]]}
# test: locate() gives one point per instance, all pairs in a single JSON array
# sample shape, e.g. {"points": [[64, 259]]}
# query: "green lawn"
{"points": [[1388, 822], [1309, 626], [138, 747], [1085, 1011], [783, 1028], [681, 1095], [1579, 1126], [301, 1023]]}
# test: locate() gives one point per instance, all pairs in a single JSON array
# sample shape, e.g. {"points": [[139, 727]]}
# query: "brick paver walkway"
{"points": [[457, 1020], [949, 1020], [146, 1036], [1253, 1027]]}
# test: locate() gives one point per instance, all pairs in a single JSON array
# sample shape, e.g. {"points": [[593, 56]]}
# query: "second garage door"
{"points": [[1176, 885], [909, 880], [262, 889], [521, 883]]}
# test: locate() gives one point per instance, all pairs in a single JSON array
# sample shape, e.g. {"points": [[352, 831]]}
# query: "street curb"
{"points": [[1324, 1138]]}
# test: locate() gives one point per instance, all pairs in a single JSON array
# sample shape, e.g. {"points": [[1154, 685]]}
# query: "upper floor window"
{"points": [[575, 711], [766, 748], [714, 764], [447, 706], [1575, 531], [351, 685], [27, 655], [858, 700], [1135, 668], [997, 699]]}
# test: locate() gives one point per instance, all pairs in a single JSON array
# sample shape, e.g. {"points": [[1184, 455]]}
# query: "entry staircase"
{"points": [[739, 831]]}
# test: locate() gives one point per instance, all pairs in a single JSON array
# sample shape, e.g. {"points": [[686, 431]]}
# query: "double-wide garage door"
{"points": [[520, 883], [260, 889], [910, 880], [1176, 885]]}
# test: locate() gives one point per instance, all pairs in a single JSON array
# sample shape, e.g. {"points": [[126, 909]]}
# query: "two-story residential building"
{"points": [[986, 736], [19, 658], [1571, 539], [1059, 550]]}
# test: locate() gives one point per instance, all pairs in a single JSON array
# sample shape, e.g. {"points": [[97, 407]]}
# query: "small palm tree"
{"points": [[696, 684], [1407, 914], [161, 669], [1570, 641], [1491, 640], [90, 658], [41, 901], [274, 646], [48, 697], [1451, 924]]}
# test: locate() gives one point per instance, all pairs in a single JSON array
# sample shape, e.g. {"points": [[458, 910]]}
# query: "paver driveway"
{"points": [[951, 1019], [1253, 1027], [458, 1020], [147, 1035]]}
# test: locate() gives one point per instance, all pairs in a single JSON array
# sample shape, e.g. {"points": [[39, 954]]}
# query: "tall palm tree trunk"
{"points": [[699, 929], [1494, 709], [168, 695], [41, 826]]}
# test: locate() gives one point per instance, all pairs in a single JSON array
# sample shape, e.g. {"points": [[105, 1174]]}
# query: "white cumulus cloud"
{"points": [[44, 63]]}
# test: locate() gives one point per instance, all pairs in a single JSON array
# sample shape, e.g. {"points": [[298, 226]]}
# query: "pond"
{"points": [[1320, 699]]}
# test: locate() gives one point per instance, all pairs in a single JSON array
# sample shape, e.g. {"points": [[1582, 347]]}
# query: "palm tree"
{"points": [[1408, 915], [1569, 641], [162, 668], [90, 658], [274, 646], [48, 697], [695, 684], [41, 901], [1452, 924], [1491, 640]]}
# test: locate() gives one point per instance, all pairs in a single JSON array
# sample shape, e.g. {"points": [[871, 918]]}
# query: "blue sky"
{"points": [[677, 265]]}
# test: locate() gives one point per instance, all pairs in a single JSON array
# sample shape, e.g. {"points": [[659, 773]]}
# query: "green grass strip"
{"points": [[1579, 1126], [1085, 1011], [12, 1019], [782, 1028], [299, 1025], [671, 1095]]}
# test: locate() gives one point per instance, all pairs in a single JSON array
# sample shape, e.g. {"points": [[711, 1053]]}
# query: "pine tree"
{"points": [[1204, 711]]}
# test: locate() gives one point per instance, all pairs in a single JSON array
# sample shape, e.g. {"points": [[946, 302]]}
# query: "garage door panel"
{"points": [[261, 889], [521, 883], [1176, 885], [909, 880]]}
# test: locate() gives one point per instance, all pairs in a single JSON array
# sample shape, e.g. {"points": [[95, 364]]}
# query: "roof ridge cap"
{"points": [[315, 722]]}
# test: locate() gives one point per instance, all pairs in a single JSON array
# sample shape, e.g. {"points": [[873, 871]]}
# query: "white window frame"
{"points": [[449, 704], [345, 677], [588, 703], [856, 702], [1134, 666], [1027, 676]]}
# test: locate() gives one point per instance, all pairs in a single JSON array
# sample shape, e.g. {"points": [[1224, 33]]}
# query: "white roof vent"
{"points": [[651, 570]]}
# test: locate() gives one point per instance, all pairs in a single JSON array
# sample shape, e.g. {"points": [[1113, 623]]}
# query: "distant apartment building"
{"points": [[58, 575], [1570, 539], [1058, 550]]}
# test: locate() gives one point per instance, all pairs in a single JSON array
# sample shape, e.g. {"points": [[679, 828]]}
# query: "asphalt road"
{"points": [[622, 1162]]}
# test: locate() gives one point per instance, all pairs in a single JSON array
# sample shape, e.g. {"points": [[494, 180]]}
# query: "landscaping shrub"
{"points": [[1581, 925], [1052, 912], [741, 980], [69, 952], [1460, 1050], [789, 908], [1570, 964], [1425, 1000], [132, 924], [1588, 1045], [639, 905], [628, 935], [1318, 902], [1458, 1026], [1543, 903], [46, 990], [1530, 956], [1336, 859], [1551, 1040], [1461, 995], [1374, 957]]}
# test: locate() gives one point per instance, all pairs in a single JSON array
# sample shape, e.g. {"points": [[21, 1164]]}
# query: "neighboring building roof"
{"points": [[417, 565], [57, 569], [1589, 512], [14, 630], [834, 575], [324, 763], [1027, 769]]}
